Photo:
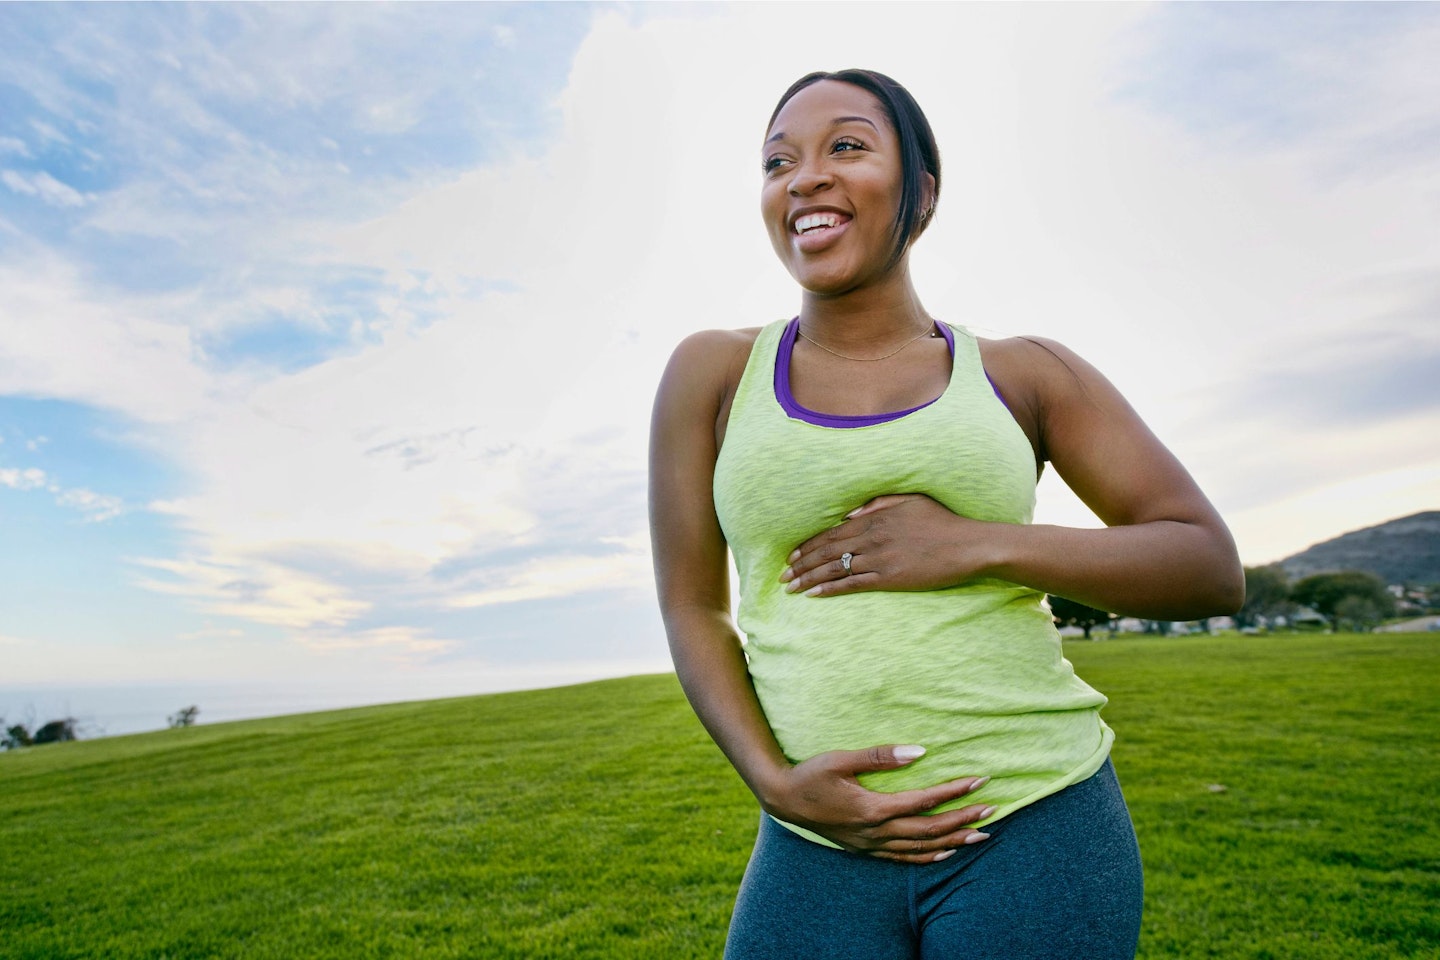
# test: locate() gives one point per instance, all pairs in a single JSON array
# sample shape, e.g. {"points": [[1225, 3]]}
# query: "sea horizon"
{"points": [[118, 709]]}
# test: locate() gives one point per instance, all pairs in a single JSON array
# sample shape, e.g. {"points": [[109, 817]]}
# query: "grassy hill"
{"points": [[598, 821]]}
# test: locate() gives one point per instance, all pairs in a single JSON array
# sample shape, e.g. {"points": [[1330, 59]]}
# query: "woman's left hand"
{"points": [[897, 542]]}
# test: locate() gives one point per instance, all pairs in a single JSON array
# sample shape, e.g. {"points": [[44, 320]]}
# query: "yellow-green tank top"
{"points": [[974, 673]]}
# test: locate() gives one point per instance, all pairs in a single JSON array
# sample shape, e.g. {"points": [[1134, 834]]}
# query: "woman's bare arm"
{"points": [[691, 573]]}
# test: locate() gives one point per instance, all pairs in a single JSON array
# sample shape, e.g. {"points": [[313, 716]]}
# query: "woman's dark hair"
{"points": [[918, 153]]}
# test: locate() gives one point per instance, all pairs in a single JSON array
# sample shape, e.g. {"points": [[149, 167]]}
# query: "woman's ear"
{"points": [[927, 198]]}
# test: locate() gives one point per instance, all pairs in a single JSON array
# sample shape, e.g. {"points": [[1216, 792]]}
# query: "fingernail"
{"points": [[909, 752], [794, 555], [943, 855], [851, 516], [814, 591], [792, 586], [980, 782], [787, 575], [977, 837], [987, 813]]}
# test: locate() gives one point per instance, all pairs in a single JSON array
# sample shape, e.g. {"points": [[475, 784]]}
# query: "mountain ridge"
{"points": [[1399, 551]]}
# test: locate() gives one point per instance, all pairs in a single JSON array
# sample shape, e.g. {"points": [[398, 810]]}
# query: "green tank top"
{"points": [[974, 673]]}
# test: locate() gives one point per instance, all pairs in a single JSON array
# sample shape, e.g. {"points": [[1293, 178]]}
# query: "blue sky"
{"points": [[328, 333]]}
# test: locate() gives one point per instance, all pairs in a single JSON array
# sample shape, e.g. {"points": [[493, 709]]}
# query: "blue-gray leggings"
{"points": [[1057, 880]]}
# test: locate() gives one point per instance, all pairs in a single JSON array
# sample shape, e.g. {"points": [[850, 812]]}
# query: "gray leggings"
{"points": [[1057, 879]]}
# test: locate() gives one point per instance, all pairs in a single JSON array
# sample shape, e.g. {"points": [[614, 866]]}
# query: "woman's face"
{"points": [[832, 187]]}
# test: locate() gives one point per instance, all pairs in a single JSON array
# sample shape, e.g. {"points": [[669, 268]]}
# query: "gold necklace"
{"points": [[932, 332]]}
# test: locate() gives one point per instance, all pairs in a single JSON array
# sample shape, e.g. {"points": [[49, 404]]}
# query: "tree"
{"points": [[16, 737], [57, 731], [1267, 594], [1071, 613], [1324, 593], [184, 717], [1360, 614]]}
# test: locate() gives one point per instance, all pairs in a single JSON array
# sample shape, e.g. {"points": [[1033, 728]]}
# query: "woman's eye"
{"points": [[771, 164], [847, 143]]}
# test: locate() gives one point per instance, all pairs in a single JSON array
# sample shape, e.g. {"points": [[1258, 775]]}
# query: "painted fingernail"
{"points": [[792, 586], [977, 837], [943, 855], [987, 813], [909, 752], [814, 591], [979, 782], [851, 516], [794, 555], [787, 575]]}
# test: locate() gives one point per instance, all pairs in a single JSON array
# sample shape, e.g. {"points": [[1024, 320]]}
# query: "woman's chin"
{"points": [[828, 283]]}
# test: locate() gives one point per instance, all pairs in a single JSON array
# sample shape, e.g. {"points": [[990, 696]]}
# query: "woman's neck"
{"points": [[867, 317]]}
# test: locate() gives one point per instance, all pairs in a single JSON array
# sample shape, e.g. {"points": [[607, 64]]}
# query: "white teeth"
{"points": [[813, 220]]}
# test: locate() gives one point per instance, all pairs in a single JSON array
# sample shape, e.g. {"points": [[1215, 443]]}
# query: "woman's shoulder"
{"points": [[1029, 363], [1037, 378], [700, 384], [707, 344], [715, 357]]}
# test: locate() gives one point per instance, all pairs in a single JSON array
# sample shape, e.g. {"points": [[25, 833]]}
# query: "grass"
{"points": [[598, 820]]}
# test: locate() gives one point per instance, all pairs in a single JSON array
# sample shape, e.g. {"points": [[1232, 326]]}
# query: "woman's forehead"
{"points": [[825, 102]]}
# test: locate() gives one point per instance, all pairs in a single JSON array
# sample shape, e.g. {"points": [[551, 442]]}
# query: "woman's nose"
{"points": [[810, 178]]}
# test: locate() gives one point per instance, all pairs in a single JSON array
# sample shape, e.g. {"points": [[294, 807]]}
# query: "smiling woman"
{"points": [[900, 684]]}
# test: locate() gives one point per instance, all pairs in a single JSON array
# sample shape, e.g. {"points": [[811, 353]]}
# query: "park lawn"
{"points": [[599, 821]]}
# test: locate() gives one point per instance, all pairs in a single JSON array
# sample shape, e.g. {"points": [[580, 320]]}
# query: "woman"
{"points": [[935, 778]]}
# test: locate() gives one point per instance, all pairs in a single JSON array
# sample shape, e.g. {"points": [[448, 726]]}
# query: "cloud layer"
{"points": [[391, 292]]}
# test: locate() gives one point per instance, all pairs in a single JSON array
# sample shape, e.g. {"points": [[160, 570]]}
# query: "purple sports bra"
{"points": [[795, 411]]}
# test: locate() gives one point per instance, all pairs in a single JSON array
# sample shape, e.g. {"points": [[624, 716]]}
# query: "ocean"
{"points": [[108, 710]]}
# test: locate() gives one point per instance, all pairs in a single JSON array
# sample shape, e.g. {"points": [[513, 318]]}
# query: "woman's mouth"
{"points": [[816, 231], [816, 221]]}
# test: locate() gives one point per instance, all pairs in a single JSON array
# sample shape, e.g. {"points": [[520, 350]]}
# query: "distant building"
{"points": [[1418, 625]]}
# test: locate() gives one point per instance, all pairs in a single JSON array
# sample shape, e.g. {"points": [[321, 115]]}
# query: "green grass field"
{"points": [[599, 821]]}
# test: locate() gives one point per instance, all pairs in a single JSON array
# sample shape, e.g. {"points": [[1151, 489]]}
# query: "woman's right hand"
{"points": [[823, 795]]}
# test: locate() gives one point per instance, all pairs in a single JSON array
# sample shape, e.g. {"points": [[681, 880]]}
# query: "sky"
{"points": [[329, 333]]}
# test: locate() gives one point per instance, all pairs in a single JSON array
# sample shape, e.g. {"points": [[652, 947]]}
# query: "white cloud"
{"points": [[15, 146], [126, 354], [400, 644], [255, 590], [560, 576], [29, 478], [1236, 258], [392, 115], [97, 507], [40, 184], [47, 132]]}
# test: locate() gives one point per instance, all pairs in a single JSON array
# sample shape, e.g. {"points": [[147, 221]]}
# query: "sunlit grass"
{"points": [[598, 820]]}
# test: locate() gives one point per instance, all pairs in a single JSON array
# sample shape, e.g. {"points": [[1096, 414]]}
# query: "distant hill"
{"points": [[1406, 550]]}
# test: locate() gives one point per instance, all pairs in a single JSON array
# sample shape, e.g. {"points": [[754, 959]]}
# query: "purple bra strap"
{"points": [[795, 411]]}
